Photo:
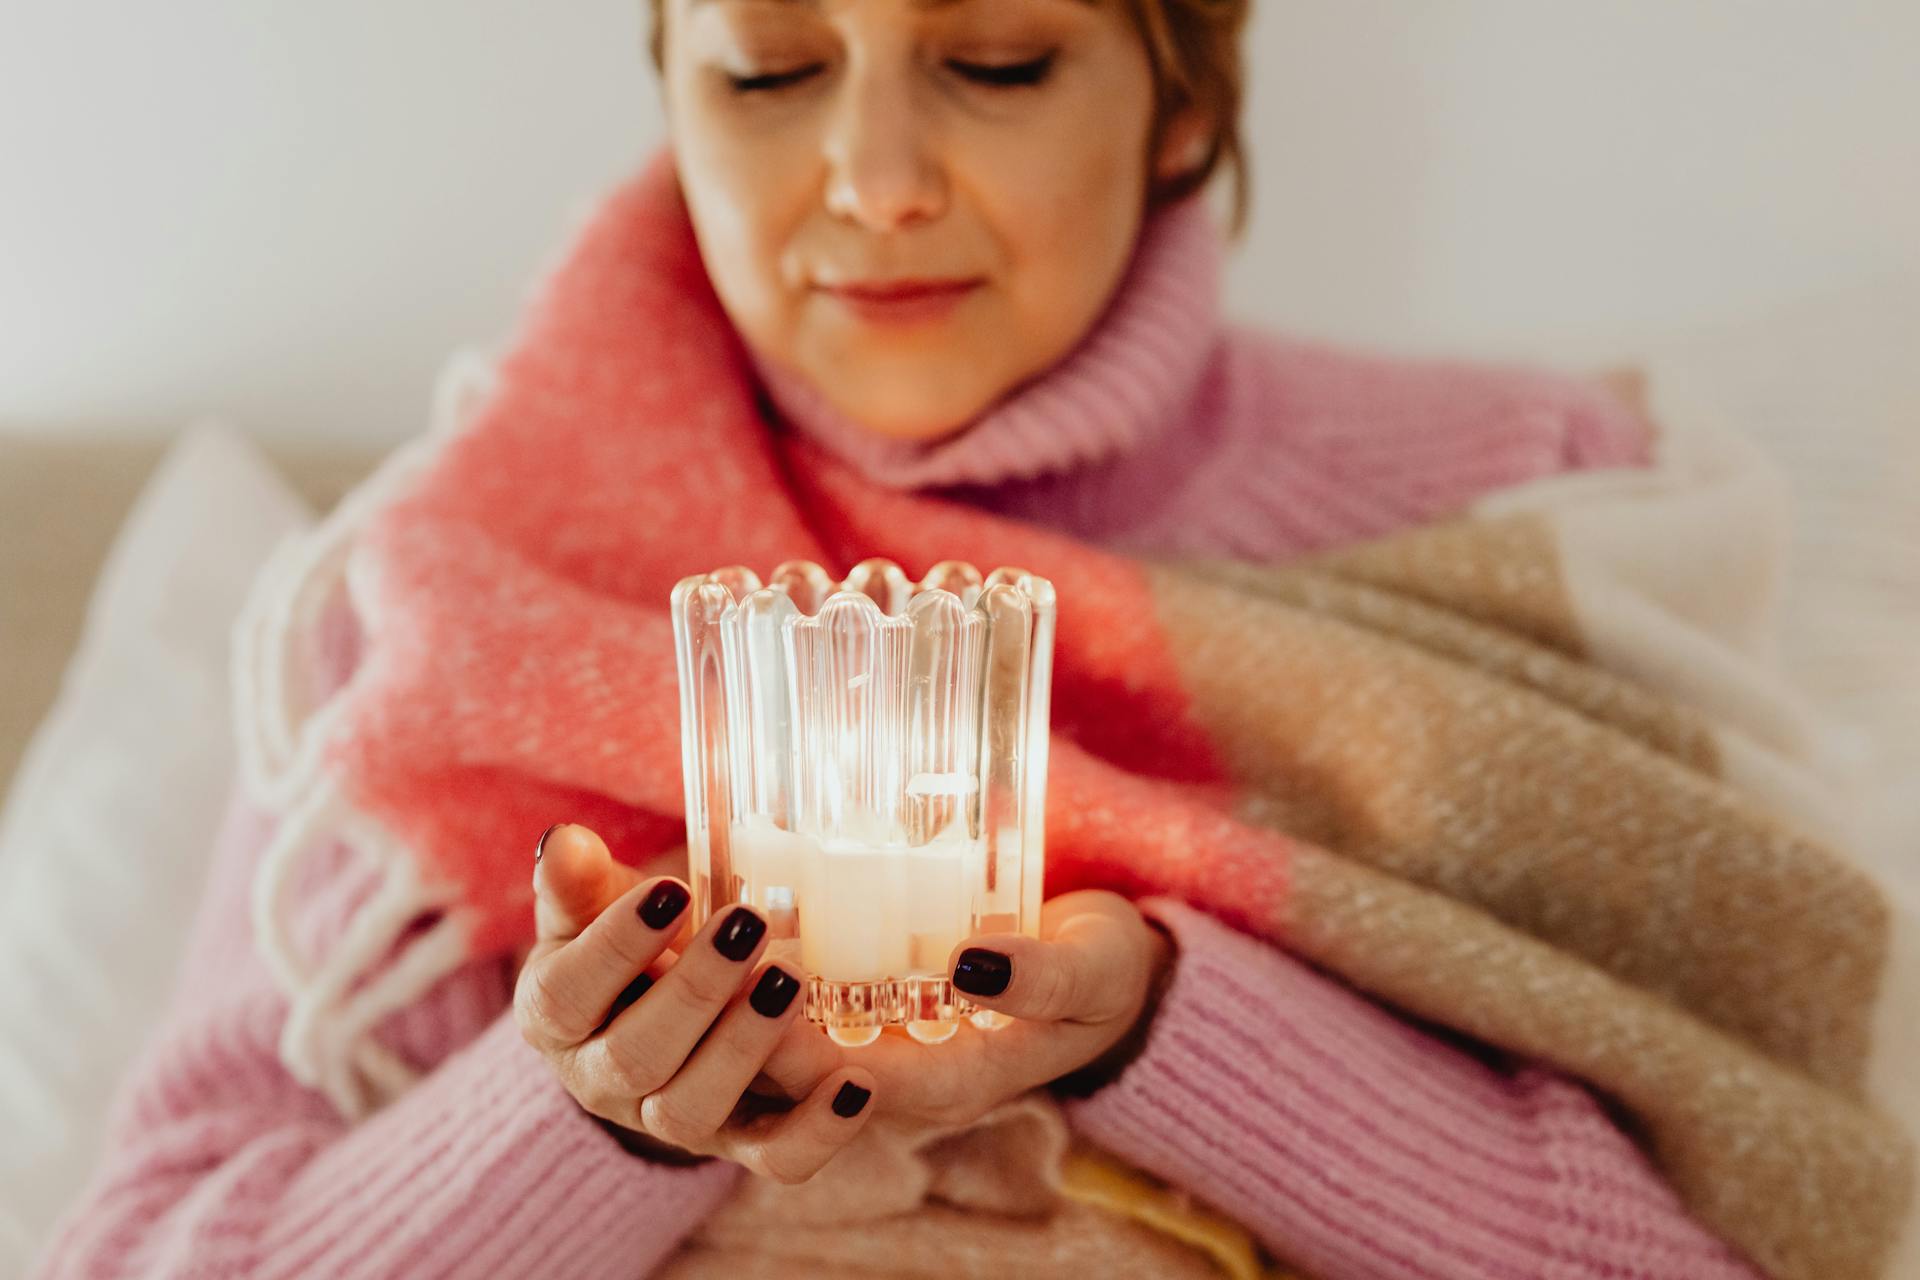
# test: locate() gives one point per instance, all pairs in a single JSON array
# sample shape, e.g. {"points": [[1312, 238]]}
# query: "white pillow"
{"points": [[108, 829]]}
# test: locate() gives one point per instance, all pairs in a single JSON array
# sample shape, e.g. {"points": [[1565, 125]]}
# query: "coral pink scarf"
{"points": [[511, 581], [1400, 761]]}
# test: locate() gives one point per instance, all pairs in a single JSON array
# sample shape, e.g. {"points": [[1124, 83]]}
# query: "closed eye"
{"points": [[1008, 75], [1001, 75], [772, 80]]}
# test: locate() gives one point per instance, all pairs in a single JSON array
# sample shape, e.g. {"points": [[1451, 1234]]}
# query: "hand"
{"points": [[1082, 995], [654, 1031]]}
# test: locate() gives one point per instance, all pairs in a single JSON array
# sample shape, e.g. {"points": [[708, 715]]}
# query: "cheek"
{"points": [[1066, 193], [1061, 164], [1066, 233], [741, 197]]}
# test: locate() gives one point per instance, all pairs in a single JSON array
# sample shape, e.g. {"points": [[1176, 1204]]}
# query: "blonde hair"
{"points": [[1194, 49]]}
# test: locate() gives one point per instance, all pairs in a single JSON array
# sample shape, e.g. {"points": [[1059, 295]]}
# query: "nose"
{"points": [[883, 168]]}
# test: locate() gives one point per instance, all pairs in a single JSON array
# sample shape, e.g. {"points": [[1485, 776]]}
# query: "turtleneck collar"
{"points": [[1123, 384]]}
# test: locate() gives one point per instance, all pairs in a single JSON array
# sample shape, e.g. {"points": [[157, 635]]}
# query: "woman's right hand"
{"points": [[664, 1042]]}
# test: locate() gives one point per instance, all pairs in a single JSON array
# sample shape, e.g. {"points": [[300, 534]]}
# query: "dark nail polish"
{"points": [[982, 972], [850, 1099], [628, 994], [660, 907], [541, 848], [739, 934], [774, 992]]}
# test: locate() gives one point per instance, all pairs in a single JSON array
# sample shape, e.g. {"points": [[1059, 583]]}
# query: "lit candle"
{"points": [[852, 913], [866, 910], [773, 863], [939, 900], [875, 736]]}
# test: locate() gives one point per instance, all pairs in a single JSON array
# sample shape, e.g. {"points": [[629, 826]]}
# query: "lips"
{"points": [[899, 290], [901, 301]]}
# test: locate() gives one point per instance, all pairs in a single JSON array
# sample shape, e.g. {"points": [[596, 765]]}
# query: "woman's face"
{"points": [[996, 146]]}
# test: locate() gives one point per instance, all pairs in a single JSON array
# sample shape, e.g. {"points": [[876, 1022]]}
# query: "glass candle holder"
{"points": [[866, 763]]}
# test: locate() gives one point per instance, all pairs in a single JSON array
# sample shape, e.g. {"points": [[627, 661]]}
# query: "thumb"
{"points": [[575, 876], [1081, 973]]}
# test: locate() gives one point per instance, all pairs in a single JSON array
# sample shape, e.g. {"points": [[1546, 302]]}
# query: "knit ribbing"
{"points": [[1352, 1145]]}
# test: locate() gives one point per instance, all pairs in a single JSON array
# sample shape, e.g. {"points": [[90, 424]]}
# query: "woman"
{"points": [[965, 247]]}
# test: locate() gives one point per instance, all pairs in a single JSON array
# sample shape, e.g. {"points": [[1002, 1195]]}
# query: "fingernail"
{"points": [[661, 906], [850, 1099], [541, 848], [774, 992], [628, 994], [739, 934], [982, 972]]}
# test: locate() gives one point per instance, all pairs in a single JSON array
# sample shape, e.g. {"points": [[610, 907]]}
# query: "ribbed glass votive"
{"points": [[866, 763]]}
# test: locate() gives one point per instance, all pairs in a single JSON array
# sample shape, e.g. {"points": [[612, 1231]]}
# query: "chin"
{"points": [[914, 427], [910, 414]]}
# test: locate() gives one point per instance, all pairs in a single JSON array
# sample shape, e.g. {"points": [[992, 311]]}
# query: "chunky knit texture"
{"points": [[1349, 1141]]}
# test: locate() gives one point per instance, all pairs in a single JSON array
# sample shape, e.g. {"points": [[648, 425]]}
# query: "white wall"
{"points": [[287, 212], [1563, 177]]}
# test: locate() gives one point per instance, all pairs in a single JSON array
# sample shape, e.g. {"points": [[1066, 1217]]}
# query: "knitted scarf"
{"points": [[1523, 774]]}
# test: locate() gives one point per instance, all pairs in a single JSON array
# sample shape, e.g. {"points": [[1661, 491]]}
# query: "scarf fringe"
{"points": [[337, 1000]]}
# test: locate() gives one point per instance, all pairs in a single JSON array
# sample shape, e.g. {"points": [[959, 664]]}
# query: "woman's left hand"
{"points": [[1081, 994]]}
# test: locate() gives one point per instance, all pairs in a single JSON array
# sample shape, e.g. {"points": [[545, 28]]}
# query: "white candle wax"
{"points": [[867, 911], [773, 862], [768, 854], [853, 914], [939, 903]]}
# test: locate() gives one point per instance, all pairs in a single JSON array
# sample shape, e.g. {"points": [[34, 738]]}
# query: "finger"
{"points": [[923, 1079], [640, 1050], [910, 1072], [691, 1108], [793, 1146], [941, 1081], [801, 1059], [1085, 968], [575, 876], [567, 990]]}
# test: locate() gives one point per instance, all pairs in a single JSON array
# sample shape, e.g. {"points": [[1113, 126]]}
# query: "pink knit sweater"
{"points": [[1352, 1143]]}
